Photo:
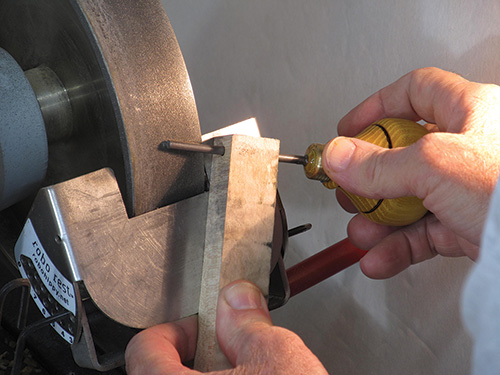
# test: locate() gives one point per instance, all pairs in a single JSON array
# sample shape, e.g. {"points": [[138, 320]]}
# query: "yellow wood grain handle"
{"points": [[388, 133]]}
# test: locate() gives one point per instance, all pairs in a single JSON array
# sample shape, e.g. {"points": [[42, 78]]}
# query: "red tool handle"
{"points": [[322, 265]]}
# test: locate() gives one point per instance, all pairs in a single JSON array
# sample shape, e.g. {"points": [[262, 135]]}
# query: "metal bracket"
{"points": [[84, 352]]}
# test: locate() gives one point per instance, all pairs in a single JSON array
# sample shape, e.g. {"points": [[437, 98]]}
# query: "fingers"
{"points": [[252, 343], [453, 169], [391, 253], [430, 94], [386, 260], [454, 174], [345, 202], [375, 172], [365, 234], [365, 169], [162, 348]]}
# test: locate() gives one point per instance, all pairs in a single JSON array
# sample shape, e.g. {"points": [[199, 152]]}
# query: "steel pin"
{"points": [[191, 147], [293, 159], [298, 230], [169, 145]]}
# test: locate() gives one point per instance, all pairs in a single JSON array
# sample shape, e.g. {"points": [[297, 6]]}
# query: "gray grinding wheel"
{"points": [[23, 141]]}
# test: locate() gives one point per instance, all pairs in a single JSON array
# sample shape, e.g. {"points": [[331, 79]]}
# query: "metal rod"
{"points": [[23, 307], [21, 340], [169, 145], [9, 287], [298, 230], [191, 147], [293, 159]]}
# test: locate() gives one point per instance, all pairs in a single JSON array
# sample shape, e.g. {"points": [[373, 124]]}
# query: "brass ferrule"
{"points": [[314, 169]]}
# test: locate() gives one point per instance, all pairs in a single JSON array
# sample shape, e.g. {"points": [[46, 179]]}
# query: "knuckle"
{"points": [[379, 173], [276, 338], [441, 159], [422, 72], [403, 171], [426, 148], [421, 179], [376, 175], [275, 350], [287, 339], [420, 75]]}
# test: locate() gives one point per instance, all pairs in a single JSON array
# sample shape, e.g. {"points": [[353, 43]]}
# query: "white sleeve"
{"points": [[481, 297]]}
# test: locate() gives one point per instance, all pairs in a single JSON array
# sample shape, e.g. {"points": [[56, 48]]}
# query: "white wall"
{"points": [[298, 66]]}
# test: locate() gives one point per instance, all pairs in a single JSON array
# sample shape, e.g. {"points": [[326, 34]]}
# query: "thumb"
{"points": [[371, 171], [241, 310], [252, 343]]}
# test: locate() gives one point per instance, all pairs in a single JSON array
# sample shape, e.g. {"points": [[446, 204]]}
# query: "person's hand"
{"points": [[454, 169], [245, 332]]}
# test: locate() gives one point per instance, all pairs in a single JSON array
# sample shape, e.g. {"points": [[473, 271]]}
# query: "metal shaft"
{"points": [[54, 102], [191, 147], [219, 150], [293, 159]]}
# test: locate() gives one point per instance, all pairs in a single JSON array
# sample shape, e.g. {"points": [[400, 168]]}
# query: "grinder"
{"points": [[106, 228], [88, 91]]}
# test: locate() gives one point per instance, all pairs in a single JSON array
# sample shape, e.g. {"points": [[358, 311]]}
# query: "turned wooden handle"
{"points": [[388, 133]]}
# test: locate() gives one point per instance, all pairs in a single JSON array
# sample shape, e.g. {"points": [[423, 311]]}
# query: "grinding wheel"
{"points": [[128, 88]]}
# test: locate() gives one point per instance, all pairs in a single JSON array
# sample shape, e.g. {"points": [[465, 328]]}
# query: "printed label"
{"points": [[50, 290]]}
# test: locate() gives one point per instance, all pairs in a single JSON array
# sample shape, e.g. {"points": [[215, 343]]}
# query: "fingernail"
{"points": [[337, 154], [244, 296]]}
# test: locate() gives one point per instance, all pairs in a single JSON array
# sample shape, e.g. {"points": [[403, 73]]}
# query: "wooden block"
{"points": [[239, 230]]}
